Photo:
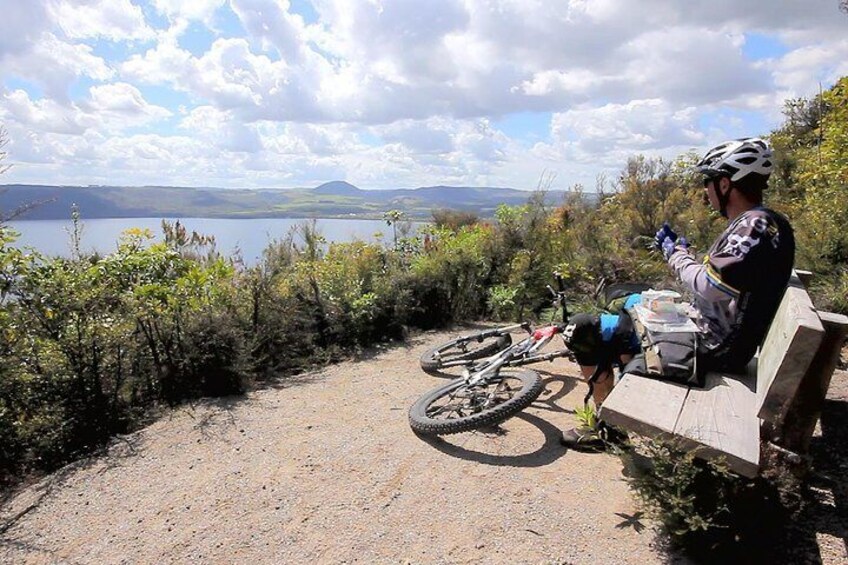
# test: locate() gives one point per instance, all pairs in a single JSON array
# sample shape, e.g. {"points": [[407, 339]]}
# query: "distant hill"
{"points": [[338, 188], [337, 199]]}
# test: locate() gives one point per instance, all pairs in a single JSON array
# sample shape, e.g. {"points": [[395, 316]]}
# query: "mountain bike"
{"points": [[465, 350], [488, 392]]}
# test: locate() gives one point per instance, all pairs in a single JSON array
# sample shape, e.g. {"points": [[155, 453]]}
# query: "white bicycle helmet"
{"points": [[737, 159]]}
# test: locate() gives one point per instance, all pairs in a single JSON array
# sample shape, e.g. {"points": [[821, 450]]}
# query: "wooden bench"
{"points": [[777, 403]]}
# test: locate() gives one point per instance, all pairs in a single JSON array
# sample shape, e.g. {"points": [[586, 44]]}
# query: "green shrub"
{"points": [[448, 280], [453, 219], [90, 345], [709, 514], [215, 361], [832, 292], [684, 494], [502, 302]]}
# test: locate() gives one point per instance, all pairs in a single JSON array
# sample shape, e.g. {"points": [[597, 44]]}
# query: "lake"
{"points": [[250, 236]]}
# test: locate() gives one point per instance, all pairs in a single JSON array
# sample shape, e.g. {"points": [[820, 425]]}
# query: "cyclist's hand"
{"points": [[665, 232], [669, 246]]}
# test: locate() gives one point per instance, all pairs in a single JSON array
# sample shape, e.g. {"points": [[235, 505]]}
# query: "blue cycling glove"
{"points": [[669, 245], [665, 232]]}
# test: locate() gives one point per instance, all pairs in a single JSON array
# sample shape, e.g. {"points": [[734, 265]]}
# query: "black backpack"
{"points": [[670, 356]]}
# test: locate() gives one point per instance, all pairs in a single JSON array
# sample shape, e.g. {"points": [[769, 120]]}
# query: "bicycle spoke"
{"points": [[445, 411], [454, 405], [461, 407], [466, 401]]}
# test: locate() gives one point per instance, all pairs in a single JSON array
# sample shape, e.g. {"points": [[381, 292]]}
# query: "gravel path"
{"points": [[324, 469]]}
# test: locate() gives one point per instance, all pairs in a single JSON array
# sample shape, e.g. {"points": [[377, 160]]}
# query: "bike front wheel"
{"points": [[463, 350], [458, 407]]}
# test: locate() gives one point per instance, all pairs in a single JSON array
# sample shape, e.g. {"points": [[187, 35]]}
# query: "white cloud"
{"points": [[188, 9], [544, 83], [610, 133], [402, 91], [271, 22], [113, 19], [21, 26], [221, 130], [801, 70], [376, 63], [691, 65], [107, 109], [55, 64], [330, 140], [435, 136], [123, 105], [231, 75], [43, 115], [166, 62]]}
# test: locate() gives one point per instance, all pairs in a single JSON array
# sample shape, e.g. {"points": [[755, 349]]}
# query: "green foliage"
{"points": [[684, 494], [812, 177], [89, 346], [586, 416], [399, 223], [825, 172], [448, 280], [91, 342], [528, 245], [648, 197], [453, 219], [614, 239], [502, 302], [832, 292]]}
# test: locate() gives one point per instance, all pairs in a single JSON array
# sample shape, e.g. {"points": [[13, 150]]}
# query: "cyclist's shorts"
{"points": [[602, 339]]}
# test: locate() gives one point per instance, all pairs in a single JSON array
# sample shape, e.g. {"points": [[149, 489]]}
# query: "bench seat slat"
{"points": [[645, 406], [720, 420]]}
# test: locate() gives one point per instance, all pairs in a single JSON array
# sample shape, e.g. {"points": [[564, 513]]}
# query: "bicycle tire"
{"points": [[433, 359], [423, 424]]}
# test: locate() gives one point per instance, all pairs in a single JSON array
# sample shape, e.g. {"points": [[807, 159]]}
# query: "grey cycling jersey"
{"points": [[739, 284]]}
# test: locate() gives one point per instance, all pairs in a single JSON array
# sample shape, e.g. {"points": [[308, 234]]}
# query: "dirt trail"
{"points": [[324, 468]]}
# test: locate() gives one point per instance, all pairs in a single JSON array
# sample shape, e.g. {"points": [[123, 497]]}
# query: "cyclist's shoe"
{"points": [[592, 439], [582, 438]]}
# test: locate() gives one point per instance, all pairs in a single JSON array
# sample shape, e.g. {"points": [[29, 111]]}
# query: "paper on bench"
{"points": [[665, 322]]}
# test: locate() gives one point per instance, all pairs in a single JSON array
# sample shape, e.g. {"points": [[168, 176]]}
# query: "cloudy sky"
{"points": [[394, 93]]}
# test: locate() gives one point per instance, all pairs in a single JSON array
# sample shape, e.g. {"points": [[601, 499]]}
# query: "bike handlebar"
{"points": [[559, 297]]}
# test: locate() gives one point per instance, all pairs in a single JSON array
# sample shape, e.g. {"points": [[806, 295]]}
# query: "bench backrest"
{"points": [[790, 345]]}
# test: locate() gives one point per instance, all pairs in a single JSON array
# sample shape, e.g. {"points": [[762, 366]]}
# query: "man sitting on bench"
{"points": [[737, 287]]}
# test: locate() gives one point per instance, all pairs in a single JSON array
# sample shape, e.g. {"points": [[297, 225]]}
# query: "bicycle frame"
{"points": [[517, 355]]}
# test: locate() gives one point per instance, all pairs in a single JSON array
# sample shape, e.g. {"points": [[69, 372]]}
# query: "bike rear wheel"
{"points": [[457, 407], [468, 348]]}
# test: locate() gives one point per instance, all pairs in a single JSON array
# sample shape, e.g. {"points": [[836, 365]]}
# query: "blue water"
{"points": [[249, 237]]}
